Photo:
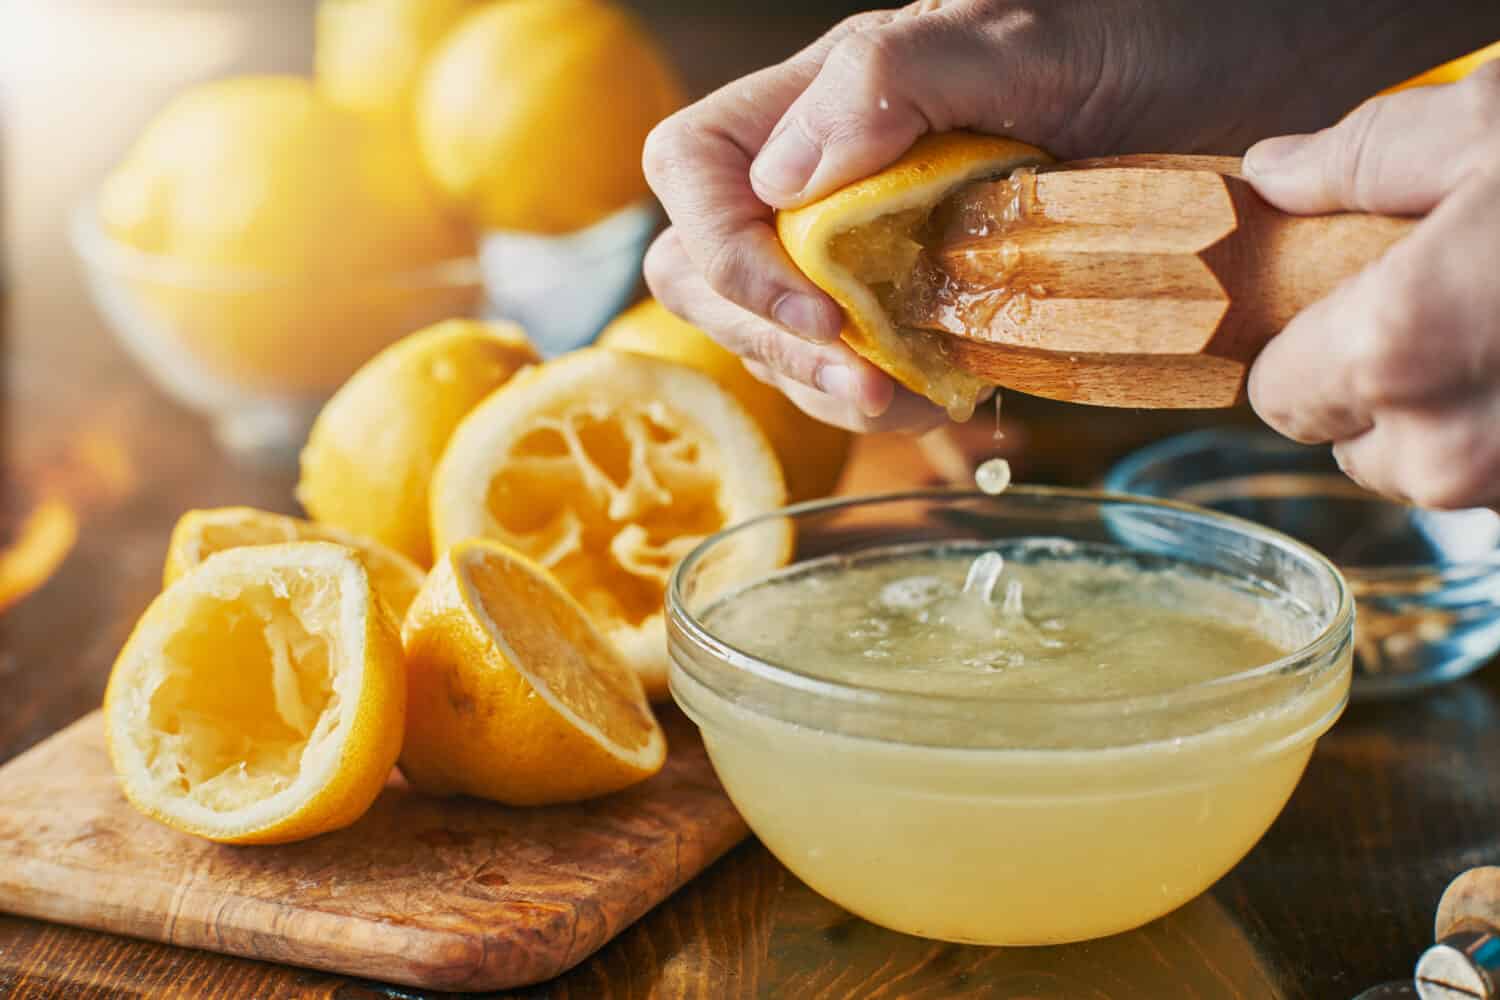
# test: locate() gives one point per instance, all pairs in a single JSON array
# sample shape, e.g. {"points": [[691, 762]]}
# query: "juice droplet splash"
{"points": [[993, 477], [984, 573]]}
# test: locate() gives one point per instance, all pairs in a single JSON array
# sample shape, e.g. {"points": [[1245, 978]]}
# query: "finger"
{"points": [[829, 368], [698, 164], [934, 68], [1303, 384], [1419, 328], [1400, 154], [907, 411], [1444, 459]]}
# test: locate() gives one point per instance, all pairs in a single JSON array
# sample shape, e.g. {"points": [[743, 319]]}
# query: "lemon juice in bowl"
{"points": [[994, 719]]}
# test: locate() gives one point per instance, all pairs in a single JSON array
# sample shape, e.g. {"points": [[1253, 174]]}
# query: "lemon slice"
{"points": [[862, 240], [812, 453], [201, 533], [371, 452], [515, 696], [606, 468], [261, 697]]}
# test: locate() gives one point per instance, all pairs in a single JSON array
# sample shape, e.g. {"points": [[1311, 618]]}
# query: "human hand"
{"points": [[1400, 366], [1077, 77]]}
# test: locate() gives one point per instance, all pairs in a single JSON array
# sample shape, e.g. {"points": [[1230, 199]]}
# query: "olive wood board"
{"points": [[449, 894]]}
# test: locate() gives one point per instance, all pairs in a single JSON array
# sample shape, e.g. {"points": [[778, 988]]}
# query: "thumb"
{"points": [[1400, 154], [929, 69]]}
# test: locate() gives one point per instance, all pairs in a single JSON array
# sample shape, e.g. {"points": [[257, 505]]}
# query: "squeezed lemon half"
{"points": [[200, 533], [261, 697], [606, 468]]}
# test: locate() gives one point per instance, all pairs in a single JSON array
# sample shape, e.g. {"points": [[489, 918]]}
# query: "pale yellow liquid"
{"points": [[1010, 829]]}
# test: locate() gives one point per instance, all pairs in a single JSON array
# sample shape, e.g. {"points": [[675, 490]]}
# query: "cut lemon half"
{"points": [[261, 697], [812, 453], [514, 694], [201, 533], [861, 244], [607, 468], [372, 450]]}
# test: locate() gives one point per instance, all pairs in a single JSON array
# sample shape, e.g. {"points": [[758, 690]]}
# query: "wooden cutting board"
{"points": [[453, 894]]}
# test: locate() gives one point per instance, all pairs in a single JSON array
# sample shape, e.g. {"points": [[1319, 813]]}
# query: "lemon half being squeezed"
{"points": [[860, 241]]}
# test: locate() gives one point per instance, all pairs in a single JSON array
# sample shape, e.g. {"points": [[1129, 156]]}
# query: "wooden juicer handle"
{"points": [[1143, 281]]}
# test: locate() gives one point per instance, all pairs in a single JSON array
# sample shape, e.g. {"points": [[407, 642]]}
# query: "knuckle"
{"points": [[781, 352], [1480, 91], [1443, 485], [664, 264], [1352, 169], [726, 270], [671, 143], [864, 21], [1458, 469], [1390, 356], [868, 59], [760, 372]]}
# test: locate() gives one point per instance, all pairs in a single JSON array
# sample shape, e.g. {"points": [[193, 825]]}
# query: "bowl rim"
{"points": [[101, 251], [1322, 648], [1120, 476]]}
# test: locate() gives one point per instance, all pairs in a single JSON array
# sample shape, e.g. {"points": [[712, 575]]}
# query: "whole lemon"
{"points": [[812, 453], [292, 225], [264, 175], [533, 113], [372, 450]]}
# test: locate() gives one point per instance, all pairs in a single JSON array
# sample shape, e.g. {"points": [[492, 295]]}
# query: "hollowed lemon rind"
{"points": [[933, 168]]}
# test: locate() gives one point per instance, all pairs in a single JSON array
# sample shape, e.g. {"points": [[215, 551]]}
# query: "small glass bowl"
{"points": [[1426, 583], [1019, 820], [564, 288], [257, 354]]}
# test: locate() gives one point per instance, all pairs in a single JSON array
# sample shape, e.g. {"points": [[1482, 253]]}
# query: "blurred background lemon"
{"points": [[265, 176], [371, 53], [259, 242], [533, 113], [265, 235]]}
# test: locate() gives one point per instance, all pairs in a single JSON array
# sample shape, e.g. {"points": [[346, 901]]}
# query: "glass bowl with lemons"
{"points": [[267, 234]]}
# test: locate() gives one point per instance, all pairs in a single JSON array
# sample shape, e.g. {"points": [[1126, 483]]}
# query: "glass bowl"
{"points": [[1001, 819], [255, 353], [564, 288], [1426, 583]]}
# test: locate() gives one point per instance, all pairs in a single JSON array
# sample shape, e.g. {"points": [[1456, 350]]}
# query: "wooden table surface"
{"points": [[1338, 896]]}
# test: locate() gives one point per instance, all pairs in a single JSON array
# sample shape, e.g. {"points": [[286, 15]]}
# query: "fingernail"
{"points": [[806, 316], [1271, 155], [786, 163], [836, 381]]}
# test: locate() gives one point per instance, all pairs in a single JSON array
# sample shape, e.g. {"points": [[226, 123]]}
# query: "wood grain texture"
{"points": [[1144, 281], [1338, 896], [440, 893]]}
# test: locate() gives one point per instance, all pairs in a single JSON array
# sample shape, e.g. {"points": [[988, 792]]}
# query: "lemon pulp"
{"points": [[630, 489], [239, 731]]}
